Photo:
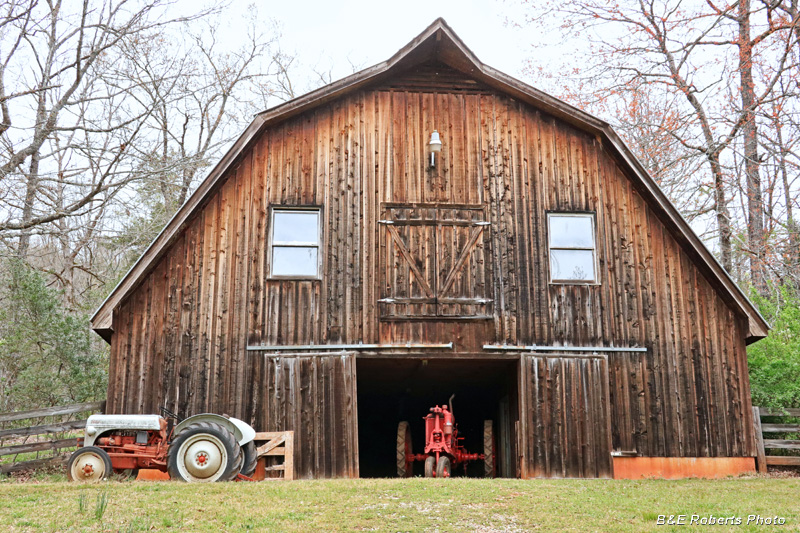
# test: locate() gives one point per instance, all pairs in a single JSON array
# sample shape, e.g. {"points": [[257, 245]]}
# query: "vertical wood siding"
{"points": [[567, 417], [314, 396], [179, 339]]}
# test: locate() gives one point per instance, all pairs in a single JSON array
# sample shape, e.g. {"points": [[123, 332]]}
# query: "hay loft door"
{"points": [[434, 262]]}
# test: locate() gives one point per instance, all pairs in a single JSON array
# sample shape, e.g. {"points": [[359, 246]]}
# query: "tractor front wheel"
{"points": [[430, 465], [89, 464], [204, 452], [443, 466], [405, 467]]}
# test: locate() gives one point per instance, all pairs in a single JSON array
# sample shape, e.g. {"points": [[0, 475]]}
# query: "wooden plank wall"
{"points": [[567, 417], [314, 396], [180, 337]]}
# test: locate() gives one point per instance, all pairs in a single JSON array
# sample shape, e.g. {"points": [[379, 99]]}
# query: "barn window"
{"points": [[294, 243], [572, 247]]}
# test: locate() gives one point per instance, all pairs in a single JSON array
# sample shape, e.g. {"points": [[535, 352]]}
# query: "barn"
{"points": [[431, 226]]}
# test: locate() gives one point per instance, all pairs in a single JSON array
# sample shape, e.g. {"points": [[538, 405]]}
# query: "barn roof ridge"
{"points": [[438, 41]]}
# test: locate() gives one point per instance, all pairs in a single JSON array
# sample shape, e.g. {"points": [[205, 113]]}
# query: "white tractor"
{"points": [[202, 448]]}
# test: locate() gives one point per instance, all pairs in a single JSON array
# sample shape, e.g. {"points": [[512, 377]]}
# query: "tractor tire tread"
{"points": [[249, 459], [444, 467], [403, 433], [430, 466], [489, 465]]}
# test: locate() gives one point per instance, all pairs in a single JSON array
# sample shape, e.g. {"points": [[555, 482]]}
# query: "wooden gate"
{"points": [[314, 395], [565, 407], [433, 262]]}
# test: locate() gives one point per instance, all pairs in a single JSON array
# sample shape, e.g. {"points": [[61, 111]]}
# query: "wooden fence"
{"points": [[46, 433], [763, 444], [275, 444]]}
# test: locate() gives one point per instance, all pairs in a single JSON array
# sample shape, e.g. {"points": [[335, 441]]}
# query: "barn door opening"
{"points": [[567, 432], [391, 391], [433, 262]]}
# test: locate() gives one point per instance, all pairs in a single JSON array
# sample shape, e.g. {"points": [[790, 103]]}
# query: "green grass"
{"points": [[394, 505]]}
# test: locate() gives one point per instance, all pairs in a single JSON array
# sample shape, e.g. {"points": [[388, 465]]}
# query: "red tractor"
{"points": [[443, 447]]}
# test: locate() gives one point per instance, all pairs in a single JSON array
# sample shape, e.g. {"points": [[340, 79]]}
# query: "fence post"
{"points": [[761, 456], [288, 459]]}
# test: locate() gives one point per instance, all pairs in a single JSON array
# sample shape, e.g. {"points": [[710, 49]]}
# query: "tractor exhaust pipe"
{"points": [[450, 402]]}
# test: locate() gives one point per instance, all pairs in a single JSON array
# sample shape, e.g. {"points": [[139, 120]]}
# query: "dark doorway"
{"points": [[395, 390]]}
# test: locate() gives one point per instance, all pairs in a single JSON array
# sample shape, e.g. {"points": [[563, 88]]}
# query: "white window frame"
{"points": [[584, 214], [272, 243]]}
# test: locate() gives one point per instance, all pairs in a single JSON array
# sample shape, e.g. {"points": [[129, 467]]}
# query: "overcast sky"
{"points": [[348, 33]]}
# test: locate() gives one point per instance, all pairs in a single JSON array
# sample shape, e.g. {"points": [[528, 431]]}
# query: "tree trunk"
{"points": [[755, 204], [31, 189], [721, 210]]}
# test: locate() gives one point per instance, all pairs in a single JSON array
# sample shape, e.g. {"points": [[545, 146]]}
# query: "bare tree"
{"points": [[109, 102], [202, 92], [716, 65], [63, 102], [780, 142]]}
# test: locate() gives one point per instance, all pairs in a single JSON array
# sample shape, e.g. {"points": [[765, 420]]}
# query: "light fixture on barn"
{"points": [[436, 146]]}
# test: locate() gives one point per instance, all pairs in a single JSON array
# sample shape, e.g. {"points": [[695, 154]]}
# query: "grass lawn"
{"points": [[393, 505]]}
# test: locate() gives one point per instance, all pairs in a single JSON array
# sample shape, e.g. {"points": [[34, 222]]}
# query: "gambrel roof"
{"points": [[439, 43]]}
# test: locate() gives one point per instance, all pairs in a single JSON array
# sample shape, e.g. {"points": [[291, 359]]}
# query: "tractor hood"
{"points": [[96, 425]]}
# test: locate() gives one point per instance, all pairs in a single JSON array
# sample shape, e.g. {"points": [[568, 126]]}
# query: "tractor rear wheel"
{"points": [[430, 465], [89, 464], [405, 467], [490, 462], [204, 452], [443, 466], [249, 459]]}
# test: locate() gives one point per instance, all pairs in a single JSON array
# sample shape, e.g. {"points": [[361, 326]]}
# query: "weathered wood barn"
{"points": [[431, 226]]}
